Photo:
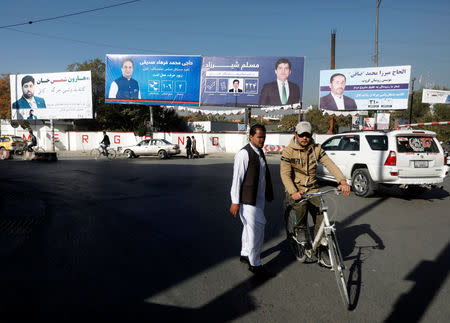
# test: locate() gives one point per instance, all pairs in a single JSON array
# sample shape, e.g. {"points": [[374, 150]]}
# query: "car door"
{"points": [[153, 148], [142, 148], [343, 151]]}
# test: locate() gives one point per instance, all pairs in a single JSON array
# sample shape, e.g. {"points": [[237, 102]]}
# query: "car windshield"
{"points": [[416, 144], [379, 142], [18, 139]]}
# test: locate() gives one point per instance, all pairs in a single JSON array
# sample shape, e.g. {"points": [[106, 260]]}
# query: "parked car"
{"points": [[11, 143], [411, 159], [151, 147]]}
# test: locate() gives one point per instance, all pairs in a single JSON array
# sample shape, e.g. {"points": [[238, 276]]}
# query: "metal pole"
{"points": [[376, 34], [53, 134], [333, 55], [411, 102]]}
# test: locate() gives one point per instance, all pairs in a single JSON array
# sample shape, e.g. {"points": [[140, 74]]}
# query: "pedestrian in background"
{"points": [[188, 147]]}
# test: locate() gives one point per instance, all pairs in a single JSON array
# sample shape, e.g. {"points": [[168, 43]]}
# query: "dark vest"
{"points": [[249, 187], [127, 89]]}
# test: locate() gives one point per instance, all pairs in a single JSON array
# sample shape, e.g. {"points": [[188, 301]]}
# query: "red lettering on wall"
{"points": [[84, 138], [26, 138], [181, 141], [215, 141], [117, 139], [56, 137], [147, 137]]}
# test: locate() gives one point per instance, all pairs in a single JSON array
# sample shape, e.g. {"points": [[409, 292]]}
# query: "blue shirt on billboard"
{"points": [[122, 88]]}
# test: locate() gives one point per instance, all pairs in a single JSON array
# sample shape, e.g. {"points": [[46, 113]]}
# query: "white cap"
{"points": [[303, 126]]}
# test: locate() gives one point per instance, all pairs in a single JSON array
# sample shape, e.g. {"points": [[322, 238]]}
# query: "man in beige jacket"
{"points": [[298, 173]]}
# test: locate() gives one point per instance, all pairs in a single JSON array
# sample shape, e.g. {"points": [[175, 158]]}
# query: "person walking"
{"points": [[188, 147], [251, 187]]}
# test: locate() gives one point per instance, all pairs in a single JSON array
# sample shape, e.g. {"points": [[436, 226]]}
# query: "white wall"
{"points": [[207, 142]]}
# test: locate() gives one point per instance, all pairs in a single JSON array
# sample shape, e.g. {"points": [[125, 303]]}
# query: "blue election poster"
{"points": [[153, 79], [252, 81]]}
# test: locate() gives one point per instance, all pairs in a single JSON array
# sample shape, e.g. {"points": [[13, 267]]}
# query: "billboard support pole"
{"points": [[411, 102], [53, 134]]}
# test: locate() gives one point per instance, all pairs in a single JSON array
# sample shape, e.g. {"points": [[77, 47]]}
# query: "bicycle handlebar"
{"points": [[308, 196]]}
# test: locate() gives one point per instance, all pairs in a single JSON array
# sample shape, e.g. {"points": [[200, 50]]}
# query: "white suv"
{"points": [[411, 159]]}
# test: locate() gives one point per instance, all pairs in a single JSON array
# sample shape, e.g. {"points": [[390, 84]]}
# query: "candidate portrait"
{"points": [[28, 99], [235, 88], [281, 91], [125, 87], [336, 100]]}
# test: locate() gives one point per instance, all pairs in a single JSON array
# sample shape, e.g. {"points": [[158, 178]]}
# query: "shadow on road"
{"points": [[428, 277]]}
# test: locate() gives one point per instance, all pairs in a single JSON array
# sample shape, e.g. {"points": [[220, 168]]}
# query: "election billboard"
{"points": [[251, 81], [435, 96], [152, 79], [65, 95], [368, 88]]}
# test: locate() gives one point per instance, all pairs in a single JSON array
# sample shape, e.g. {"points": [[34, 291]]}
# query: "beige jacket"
{"points": [[298, 167]]}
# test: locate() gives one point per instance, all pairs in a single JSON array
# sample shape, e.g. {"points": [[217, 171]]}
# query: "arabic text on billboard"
{"points": [[371, 88], [435, 96], [252, 81], [66, 95], [152, 79]]}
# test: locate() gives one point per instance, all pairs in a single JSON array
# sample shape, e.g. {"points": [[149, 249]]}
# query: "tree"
{"points": [[5, 97]]}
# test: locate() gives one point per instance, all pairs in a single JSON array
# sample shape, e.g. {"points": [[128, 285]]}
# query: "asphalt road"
{"points": [[145, 240]]}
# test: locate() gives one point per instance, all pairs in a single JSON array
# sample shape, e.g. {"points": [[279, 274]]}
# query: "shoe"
{"points": [[244, 260], [261, 272], [324, 257]]}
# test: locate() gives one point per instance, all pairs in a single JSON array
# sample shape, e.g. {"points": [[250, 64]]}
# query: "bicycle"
{"points": [[96, 153], [326, 230], [34, 149]]}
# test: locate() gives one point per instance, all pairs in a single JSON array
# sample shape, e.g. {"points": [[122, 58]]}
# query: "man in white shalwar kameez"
{"points": [[251, 187]]}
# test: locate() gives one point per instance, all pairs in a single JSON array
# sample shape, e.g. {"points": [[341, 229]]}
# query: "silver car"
{"points": [[151, 147]]}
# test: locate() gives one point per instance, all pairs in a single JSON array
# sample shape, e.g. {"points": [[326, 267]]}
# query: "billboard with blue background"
{"points": [[251, 81], [153, 79], [368, 88]]}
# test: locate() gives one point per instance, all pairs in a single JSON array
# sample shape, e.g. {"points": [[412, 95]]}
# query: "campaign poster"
{"points": [[153, 79], [383, 121], [369, 124], [249, 81], [435, 96], [51, 96], [368, 88]]}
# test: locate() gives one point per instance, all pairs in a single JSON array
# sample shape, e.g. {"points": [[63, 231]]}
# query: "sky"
{"points": [[411, 32]]}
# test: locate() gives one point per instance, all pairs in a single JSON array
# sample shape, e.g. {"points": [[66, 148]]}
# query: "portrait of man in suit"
{"points": [[235, 87], [31, 115], [336, 100], [281, 91], [28, 100], [125, 87]]}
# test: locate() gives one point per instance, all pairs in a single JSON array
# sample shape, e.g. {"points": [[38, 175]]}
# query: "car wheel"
{"points": [[129, 153], [162, 154], [362, 183]]}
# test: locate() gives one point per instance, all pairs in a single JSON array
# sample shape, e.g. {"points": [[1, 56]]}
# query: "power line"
{"points": [[69, 15]]}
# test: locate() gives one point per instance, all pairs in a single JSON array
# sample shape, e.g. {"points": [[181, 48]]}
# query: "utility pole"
{"points": [[376, 34], [333, 61], [411, 102]]}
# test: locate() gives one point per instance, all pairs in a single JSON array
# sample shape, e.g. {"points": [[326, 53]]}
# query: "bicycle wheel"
{"points": [[95, 153], [290, 220], [338, 267], [111, 154]]}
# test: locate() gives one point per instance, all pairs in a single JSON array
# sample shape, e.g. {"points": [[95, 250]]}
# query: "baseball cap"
{"points": [[303, 126]]}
